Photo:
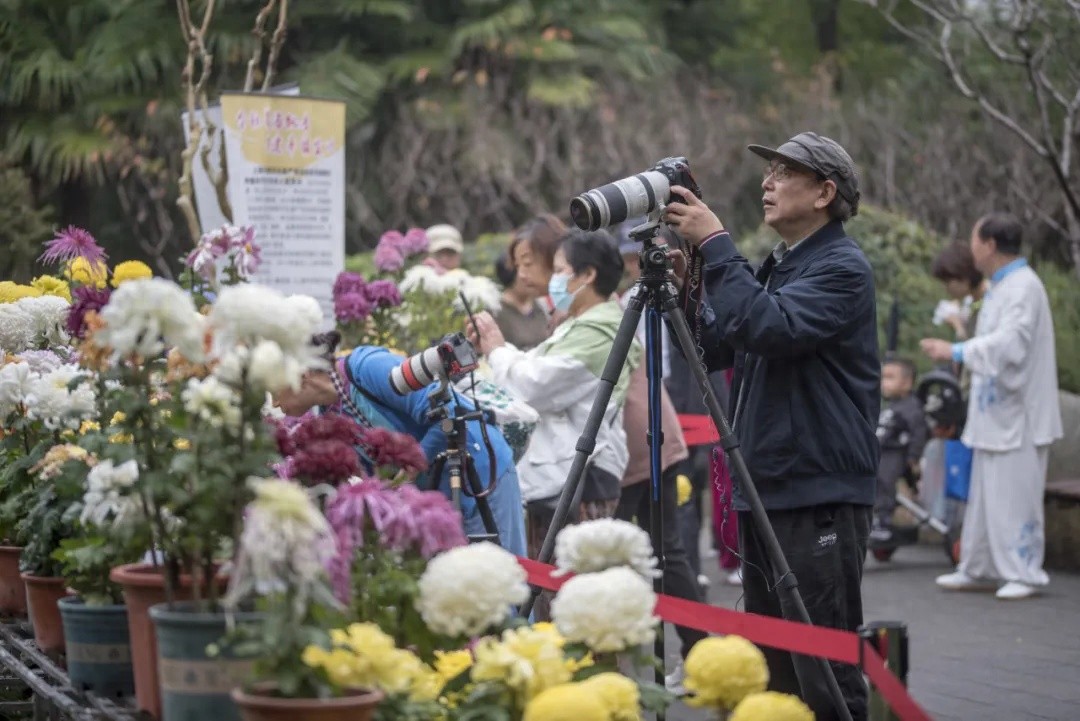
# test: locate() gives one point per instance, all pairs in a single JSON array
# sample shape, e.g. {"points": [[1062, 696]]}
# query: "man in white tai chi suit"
{"points": [[1013, 417]]}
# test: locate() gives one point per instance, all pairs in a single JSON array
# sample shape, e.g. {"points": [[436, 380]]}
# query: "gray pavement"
{"points": [[972, 657]]}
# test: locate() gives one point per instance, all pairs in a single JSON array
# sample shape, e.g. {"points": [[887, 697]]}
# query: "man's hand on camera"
{"points": [[936, 349], [692, 220], [484, 334], [678, 265]]}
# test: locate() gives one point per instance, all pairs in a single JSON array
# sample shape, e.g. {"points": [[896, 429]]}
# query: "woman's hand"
{"points": [[483, 332]]}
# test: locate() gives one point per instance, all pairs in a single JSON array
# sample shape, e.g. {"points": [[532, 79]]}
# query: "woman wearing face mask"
{"points": [[560, 377]]}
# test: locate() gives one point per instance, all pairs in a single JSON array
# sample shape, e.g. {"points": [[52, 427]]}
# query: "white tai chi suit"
{"points": [[1013, 416]]}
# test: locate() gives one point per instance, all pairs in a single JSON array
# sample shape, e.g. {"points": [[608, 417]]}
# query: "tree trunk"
{"points": [[1072, 226], [826, 17]]}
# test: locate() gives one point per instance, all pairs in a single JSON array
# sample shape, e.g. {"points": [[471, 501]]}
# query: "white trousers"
{"points": [[1003, 535]]}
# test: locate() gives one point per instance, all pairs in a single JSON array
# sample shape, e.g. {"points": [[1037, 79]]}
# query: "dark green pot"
{"points": [[195, 687], [98, 648]]}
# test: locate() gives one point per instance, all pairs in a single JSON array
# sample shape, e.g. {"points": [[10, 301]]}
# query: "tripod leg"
{"points": [[654, 368], [482, 504], [787, 586], [620, 347]]}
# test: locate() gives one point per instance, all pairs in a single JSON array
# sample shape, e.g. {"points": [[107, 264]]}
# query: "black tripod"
{"points": [[460, 463], [655, 289]]}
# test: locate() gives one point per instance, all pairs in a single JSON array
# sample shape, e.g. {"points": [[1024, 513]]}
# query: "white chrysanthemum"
{"points": [[49, 399], [109, 499], [286, 542], [602, 544], [41, 361], [266, 367], [607, 611], [49, 316], [481, 292], [16, 328], [270, 410], [467, 590], [422, 277], [16, 380], [146, 315], [212, 401], [249, 313]]}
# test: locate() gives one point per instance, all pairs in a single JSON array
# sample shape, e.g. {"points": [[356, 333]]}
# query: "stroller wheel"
{"points": [[883, 554]]}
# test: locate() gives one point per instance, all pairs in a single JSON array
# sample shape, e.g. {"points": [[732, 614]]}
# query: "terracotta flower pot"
{"points": [[144, 586], [12, 588], [260, 704], [42, 595]]}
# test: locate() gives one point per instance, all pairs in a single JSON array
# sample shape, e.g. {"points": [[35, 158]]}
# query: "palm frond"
{"points": [[499, 26], [339, 75]]}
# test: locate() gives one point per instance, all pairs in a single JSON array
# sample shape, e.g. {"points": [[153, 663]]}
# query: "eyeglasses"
{"points": [[778, 171]]}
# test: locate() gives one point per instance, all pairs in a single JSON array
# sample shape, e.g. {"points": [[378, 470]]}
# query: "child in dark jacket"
{"points": [[902, 434]]}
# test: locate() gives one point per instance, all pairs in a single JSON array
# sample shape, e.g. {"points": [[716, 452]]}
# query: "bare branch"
{"points": [[259, 31], [276, 44]]}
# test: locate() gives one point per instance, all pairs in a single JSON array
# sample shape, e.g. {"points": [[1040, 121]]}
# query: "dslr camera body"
{"points": [[452, 358], [637, 195]]}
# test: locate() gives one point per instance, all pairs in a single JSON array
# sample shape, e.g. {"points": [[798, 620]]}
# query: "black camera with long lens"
{"points": [[451, 359], [631, 197]]}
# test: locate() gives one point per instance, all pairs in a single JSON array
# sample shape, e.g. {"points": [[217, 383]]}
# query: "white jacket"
{"points": [[1014, 391], [559, 379]]}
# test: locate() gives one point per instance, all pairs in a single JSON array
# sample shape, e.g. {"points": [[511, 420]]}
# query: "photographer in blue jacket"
{"points": [[801, 334]]}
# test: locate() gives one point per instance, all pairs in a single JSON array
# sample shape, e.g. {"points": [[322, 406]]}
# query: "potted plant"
{"points": [[285, 548], [195, 418]]}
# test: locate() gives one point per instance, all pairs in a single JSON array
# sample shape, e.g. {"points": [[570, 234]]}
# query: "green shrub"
{"points": [[1064, 292], [479, 257]]}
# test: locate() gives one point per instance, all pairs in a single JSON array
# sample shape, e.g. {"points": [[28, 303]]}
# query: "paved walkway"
{"points": [[973, 658]]}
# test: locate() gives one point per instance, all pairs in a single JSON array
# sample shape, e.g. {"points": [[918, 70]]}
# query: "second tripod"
{"points": [[458, 462]]}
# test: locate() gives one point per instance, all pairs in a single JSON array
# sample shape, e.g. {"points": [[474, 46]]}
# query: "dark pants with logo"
{"points": [[825, 547]]}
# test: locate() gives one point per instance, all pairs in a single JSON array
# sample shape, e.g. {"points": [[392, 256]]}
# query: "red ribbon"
{"points": [[698, 430], [829, 643]]}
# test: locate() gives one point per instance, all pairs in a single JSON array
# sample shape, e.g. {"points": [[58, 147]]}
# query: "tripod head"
{"points": [[656, 267]]}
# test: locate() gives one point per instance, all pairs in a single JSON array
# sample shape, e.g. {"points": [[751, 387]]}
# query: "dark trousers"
{"points": [[679, 580], [825, 547]]}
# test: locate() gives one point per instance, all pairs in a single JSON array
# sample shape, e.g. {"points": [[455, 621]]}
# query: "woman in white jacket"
{"points": [[560, 378]]}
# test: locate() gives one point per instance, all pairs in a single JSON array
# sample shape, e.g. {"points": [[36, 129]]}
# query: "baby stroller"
{"points": [[946, 412]]}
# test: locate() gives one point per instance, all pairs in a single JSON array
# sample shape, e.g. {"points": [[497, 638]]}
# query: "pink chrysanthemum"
{"points": [[415, 241], [71, 243], [348, 282], [84, 299], [389, 258]]}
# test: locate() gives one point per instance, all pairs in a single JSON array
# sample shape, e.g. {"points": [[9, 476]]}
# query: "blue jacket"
{"points": [[802, 337], [369, 367]]}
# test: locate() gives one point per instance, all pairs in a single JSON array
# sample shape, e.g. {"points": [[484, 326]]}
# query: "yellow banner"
{"points": [[284, 132]]}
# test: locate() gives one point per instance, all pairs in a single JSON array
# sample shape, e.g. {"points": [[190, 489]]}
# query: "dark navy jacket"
{"points": [[802, 336]]}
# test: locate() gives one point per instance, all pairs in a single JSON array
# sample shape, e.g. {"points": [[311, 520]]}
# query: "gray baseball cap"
{"points": [[821, 155]]}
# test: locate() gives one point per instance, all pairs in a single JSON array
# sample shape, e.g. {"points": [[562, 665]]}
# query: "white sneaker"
{"points": [[703, 580], [1014, 591], [673, 682], [735, 577], [960, 581]]}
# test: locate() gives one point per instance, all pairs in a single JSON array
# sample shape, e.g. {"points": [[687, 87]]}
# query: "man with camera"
{"points": [[801, 334]]}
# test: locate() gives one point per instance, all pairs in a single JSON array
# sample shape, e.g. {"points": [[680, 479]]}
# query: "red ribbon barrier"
{"points": [[829, 643], [698, 430]]}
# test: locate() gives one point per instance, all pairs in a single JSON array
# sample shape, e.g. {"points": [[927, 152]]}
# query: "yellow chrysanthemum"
{"points": [[182, 444], [79, 270], [51, 285], [130, 270], [88, 426], [566, 702], [684, 489], [11, 292], [619, 695], [49, 466], [451, 664], [525, 659], [771, 706], [117, 418], [722, 670], [365, 657]]}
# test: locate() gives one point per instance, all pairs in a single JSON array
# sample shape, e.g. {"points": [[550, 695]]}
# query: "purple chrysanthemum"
{"points": [[84, 298], [71, 243], [388, 258], [438, 525], [383, 293], [390, 448], [415, 241], [352, 307], [348, 282]]}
